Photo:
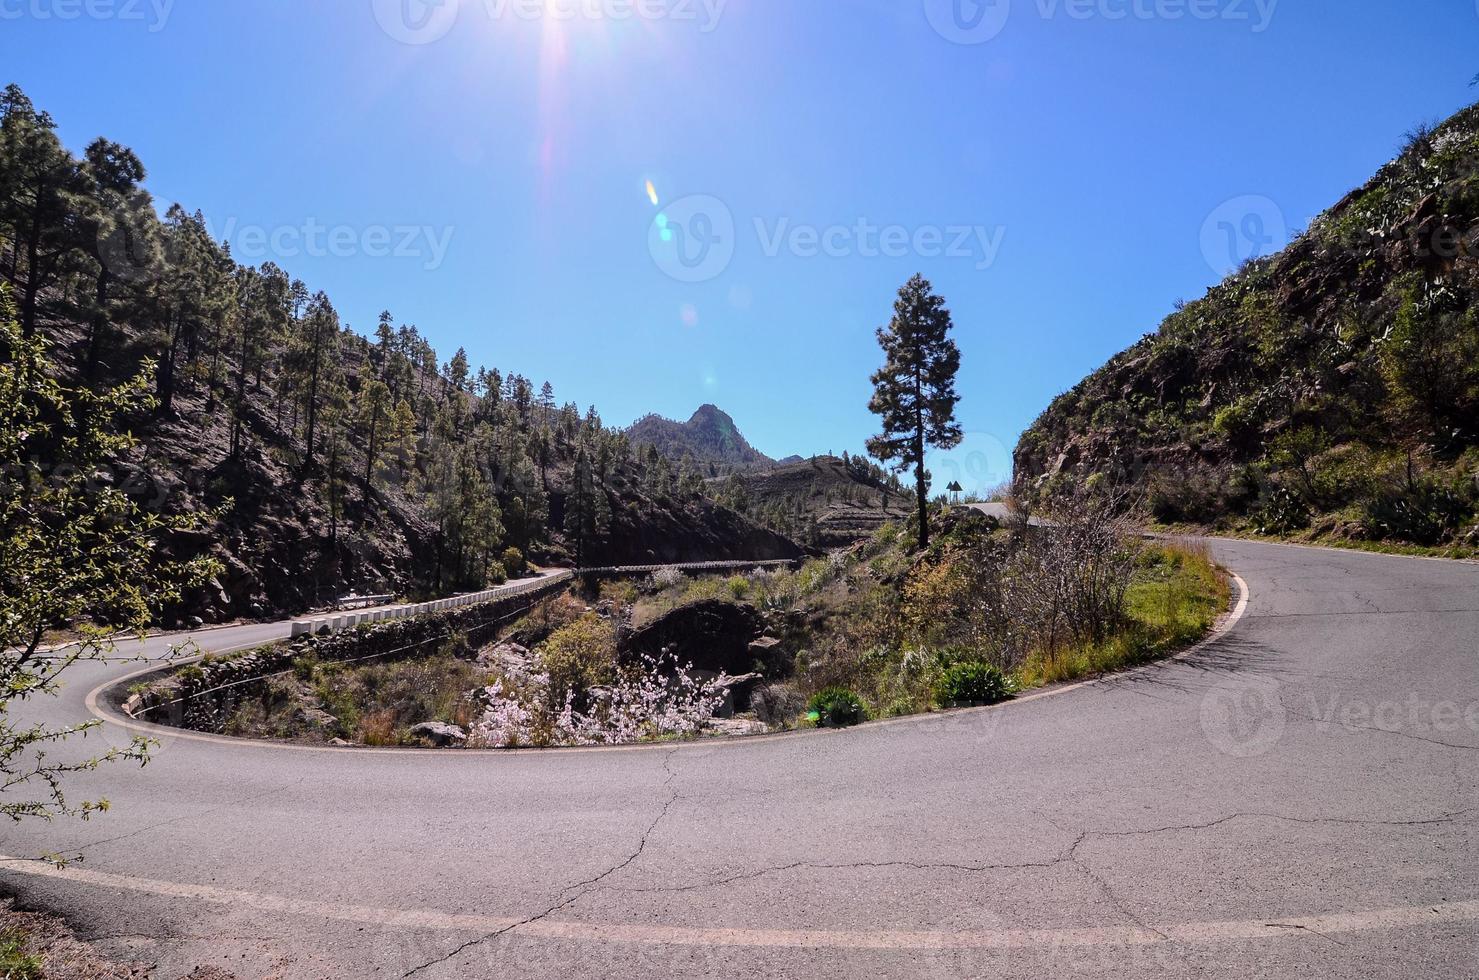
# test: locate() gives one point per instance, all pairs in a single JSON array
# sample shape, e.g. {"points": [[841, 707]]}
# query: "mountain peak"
{"points": [[710, 436], [710, 414]]}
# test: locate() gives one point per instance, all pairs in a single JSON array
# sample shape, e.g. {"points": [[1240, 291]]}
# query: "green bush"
{"points": [[972, 683], [1281, 511], [513, 561], [579, 656], [836, 707], [1424, 513], [739, 587]]}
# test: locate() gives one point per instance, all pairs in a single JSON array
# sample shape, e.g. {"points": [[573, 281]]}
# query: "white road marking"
{"points": [[631, 933]]}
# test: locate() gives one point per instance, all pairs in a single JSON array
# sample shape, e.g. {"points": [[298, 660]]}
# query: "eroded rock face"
{"points": [[714, 636]]}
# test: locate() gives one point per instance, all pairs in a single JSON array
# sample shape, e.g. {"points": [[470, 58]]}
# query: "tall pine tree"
{"points": [[914, 392]]}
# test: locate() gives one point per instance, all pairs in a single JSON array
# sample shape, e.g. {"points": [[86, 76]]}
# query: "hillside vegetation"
{"points": [[824, 502], [1331, 390], [330, 461]]}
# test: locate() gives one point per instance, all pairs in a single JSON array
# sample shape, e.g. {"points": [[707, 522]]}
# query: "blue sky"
{"points": [[1062, 176]]}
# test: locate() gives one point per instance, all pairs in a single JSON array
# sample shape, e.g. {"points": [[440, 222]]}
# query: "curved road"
{"points": [[1299, 798]]}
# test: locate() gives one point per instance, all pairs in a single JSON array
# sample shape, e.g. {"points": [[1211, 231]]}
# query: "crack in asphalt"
{"points": [[1303, 928], [1374, 730], [1069, 854], [1119, 904], [838, 866], [585, 887]]}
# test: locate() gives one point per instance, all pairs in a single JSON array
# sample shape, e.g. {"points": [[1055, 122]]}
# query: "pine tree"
{"points": [[42, 183], [372, 410], [314, 360], [914, 392], [587, 511]]}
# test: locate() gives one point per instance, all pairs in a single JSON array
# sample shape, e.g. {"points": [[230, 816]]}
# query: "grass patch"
{"points": [[15, 962], [1176, 597]]}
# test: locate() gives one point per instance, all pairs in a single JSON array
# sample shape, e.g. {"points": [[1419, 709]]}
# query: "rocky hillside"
{"points": [[826, 502], [710, 441], [1332, 389], [336, 461]]}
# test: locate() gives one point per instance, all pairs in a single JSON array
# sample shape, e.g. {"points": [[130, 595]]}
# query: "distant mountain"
{"points": [[710, 439], [1329, 390]]}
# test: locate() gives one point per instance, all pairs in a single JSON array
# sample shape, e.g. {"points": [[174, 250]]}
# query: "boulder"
{"points": [[440, 734], [767, 652], [738, 692], [509, 659], [777, 703], [314, 717], [712, 635]]}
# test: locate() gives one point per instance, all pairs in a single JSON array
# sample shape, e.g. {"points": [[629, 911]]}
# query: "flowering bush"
{"points": [[666, 578], [650, 700]]}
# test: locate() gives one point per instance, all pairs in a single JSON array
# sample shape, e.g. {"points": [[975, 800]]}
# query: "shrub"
{"points": [[513, 561], [836, 707], [739, 587], [1425, 512], [1281, 511], [579, 656], [972, 683], [666, 578], [378, 728]]}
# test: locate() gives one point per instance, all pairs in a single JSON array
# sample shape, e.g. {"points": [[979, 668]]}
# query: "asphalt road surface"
{"points": [[1300, 798]]}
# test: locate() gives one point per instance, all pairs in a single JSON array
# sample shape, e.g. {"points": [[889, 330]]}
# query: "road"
{"points": [[1299, 798]]}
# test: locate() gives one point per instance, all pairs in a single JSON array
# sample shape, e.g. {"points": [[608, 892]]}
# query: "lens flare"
{"points": [[652, 193]]}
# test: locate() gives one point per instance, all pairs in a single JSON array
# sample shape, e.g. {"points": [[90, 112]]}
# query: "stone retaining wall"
{"points": [[202, 696]]}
